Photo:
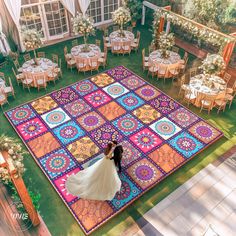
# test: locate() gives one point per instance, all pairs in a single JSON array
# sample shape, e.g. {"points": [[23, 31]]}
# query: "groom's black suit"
{"points": [[117, 156]]}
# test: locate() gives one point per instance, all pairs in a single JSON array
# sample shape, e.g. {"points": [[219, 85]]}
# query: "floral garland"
{"points": [[166, 41], [213, 64], [16, 154], [202, 34], [32, 39], [121, 16]]}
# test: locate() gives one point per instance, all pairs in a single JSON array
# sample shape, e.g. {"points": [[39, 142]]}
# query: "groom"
{"points": [[117, 155]]}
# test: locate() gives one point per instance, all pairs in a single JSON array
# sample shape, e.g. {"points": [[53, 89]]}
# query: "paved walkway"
{"points": [[208, 198]]}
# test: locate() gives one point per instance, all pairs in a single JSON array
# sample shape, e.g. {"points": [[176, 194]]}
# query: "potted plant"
{"points": [[135, 7], [83, 25]]}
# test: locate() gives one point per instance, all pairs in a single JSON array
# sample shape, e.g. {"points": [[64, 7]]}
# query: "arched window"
{"points": [[48, 16], [101, 10]]}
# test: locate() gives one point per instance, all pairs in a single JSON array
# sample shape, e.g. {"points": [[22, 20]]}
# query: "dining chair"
{"points": [[192, 72], [27, 81], [2, 76], [98, 43], [106, 32], [94, 65], [151, 48], [174, 73], [9, 90], [70, 63], [41, 54], [153, 70], [58, 69], [52, 75], [116, 47], [175, 49], [143, 55], [144, 62], [3, 98], [126, 47], [74, 43], [189, 96], [115, 27], [227, 78], [67, 55], [135, 45], [183, 85], [19, 77], [103, 59], [220, 104], [207, 102], [17, 65], [81, 65], [106, 43], [27, 57], [183, 66], [163, 72], [55, 58], [40, 80], [129, 28]]}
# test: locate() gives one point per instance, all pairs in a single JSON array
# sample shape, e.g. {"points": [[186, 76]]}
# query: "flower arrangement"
{"points": [[121, 16], [84, 25], [16, 154], [213, 64], [166, 41], [203, 34]]}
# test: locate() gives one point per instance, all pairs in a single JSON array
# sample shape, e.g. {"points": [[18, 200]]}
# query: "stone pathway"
{"points": [[208, 198]]}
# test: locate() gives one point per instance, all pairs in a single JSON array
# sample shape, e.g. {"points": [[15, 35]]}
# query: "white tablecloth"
{"points": [[115, 37]]}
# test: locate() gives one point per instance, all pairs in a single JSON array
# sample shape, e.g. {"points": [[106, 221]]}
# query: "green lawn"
{"points": [[57, 217]]}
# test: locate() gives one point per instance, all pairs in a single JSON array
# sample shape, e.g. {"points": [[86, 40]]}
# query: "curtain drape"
{"points": [[84, 4], [4, 46], [69, 5], [14, 7]]}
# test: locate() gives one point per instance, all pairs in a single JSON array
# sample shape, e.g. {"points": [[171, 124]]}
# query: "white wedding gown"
{"points": [[97, 182]]}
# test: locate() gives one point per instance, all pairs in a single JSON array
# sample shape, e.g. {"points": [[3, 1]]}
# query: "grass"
{"points": [[57, 217]]}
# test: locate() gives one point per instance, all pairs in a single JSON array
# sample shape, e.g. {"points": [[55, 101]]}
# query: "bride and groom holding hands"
{"points": [[101, 180]]}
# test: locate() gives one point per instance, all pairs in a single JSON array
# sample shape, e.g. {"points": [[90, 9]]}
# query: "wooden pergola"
{"points": [[231, 39]]}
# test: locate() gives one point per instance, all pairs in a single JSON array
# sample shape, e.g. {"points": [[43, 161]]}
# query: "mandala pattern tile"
{"points": [[31, 129], [61, 188], [147, 92], [127, 124], [115, 90], [57, 163], [130, 101], [102, 80], [166, 157], [183, 117], [164, 104], [20, 114], [111, 110], [91, 213], [126, 194], [77, 107], [186, 144], [65, 96], [55, 117], [83, 149], [130, 153], [165, 128], [84, 87], [68, 132], [146, 114], [44, 104], [205, 132], [144, 173], [119, 73], [91, 121], [44, 144], [145, 140], [105, 134], [97, 98], [132, 82]]}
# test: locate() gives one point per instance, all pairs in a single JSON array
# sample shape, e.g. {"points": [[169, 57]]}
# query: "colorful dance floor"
{"points": [[67, 130]]}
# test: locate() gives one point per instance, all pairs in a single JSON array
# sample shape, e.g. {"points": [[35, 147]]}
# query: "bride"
{"points": [[97, 182]]}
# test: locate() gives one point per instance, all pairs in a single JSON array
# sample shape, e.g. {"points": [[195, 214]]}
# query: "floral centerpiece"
{"points": [[15, 152], [213, 64], [121, 16], [84, 25], [166, 41], [32, 39]]}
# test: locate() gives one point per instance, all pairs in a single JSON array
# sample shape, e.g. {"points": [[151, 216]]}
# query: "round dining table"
{"points": [[203, 86], [116, 37], [172, 62], [44, 66], [79, 55]]}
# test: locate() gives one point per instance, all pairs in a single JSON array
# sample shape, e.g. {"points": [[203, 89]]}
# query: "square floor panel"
{"points": [[147, 92], [55, 117], [102, 80], [115, 90], [68, 132], [44, 104], [84, 87], [97, 98], [145, 140], [77, 108], [132, 82], [64, 96], [130, 101], [119, 73], [165, 128]]}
